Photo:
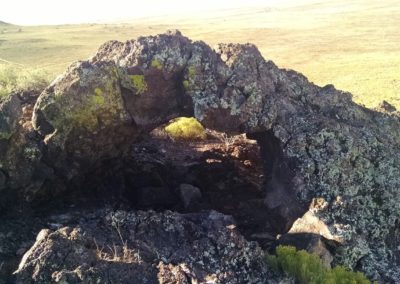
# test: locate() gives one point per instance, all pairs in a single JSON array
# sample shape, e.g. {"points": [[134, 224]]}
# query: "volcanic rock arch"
{"points": [[317, 144]]}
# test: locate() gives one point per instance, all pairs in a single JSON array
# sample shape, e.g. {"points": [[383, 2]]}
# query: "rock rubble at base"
{"points": [[144, 247]]}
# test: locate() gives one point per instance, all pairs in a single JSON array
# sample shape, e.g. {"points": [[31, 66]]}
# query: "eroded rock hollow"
{"points": [[318, 154]]}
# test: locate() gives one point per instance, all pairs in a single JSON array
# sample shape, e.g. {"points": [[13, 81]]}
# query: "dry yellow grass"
{"points": [[353, 44]]}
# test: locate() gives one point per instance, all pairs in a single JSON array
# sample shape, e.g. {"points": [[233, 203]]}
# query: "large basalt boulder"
{"points": [[83, 119], [144, 247], [316, 142]]}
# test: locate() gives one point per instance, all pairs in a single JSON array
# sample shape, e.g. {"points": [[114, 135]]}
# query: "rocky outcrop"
{"points": [[23, 172], [318, 146], [144, 247]]}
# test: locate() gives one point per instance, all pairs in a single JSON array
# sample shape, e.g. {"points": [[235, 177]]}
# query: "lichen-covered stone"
{"points": [[87, 97], [144, 247], [139, 83], [155, 63], [82, 117]]}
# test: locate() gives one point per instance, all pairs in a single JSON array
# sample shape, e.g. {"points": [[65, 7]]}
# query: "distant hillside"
{"points": [[4, 24]]}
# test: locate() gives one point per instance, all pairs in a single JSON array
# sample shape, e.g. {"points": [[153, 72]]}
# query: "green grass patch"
{"points": [[186, 128], [17, 78], [308, 268]]}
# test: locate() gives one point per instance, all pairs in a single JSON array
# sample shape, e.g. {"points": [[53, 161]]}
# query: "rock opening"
{"points": [[231, 174]]}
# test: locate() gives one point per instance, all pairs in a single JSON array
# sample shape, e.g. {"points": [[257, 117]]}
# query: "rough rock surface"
{"points": [[317, 144], [189, 194], [23, 172], [17, 235], [10, 112], [144, 247]]}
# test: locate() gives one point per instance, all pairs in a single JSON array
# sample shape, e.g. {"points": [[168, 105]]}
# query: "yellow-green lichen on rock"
{"points": [[92, 104], [99, 105], [139, 83], [5, 135], [156, 64], [189, 77], [84, 114], [191, 71], [98, 99], [185, 84], [98, 91]]}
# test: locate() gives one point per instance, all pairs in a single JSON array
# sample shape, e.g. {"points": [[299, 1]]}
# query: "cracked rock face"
{"points": [[144, 247], [318, 146]]}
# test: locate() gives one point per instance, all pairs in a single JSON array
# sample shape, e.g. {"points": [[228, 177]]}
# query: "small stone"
{"points": [[385, 106], [189, 194], [312, 243]]}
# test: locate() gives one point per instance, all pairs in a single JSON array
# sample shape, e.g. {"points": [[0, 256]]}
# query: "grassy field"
{"points": [[353, 44]]}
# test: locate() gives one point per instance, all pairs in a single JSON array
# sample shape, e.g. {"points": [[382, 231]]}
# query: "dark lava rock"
{"points": [[316, 143], [144, 247], [17, 235], [10, 112], [189, 194], [386, 107], [312, 243], [154, 197], [2, 180]]}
